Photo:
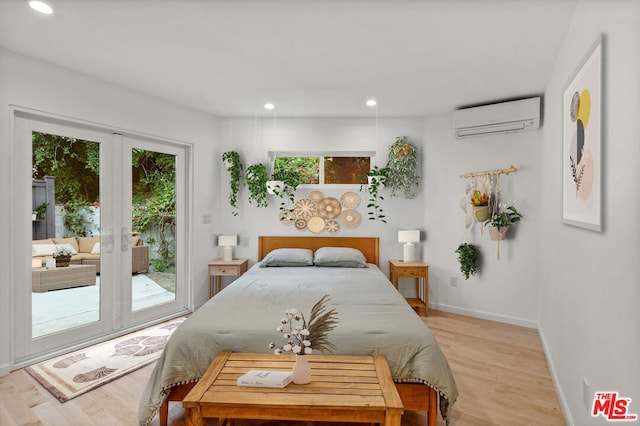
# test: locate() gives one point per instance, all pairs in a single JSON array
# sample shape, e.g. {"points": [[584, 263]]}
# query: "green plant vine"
{"points": [[468, 258], [402, 162], [231, 161], [255, 179]]}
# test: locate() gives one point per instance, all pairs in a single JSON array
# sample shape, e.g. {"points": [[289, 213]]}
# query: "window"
{"points": [[330, 168]]}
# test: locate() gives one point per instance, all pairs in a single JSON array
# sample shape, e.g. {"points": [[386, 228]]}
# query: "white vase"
{"points": [[301, 370]]}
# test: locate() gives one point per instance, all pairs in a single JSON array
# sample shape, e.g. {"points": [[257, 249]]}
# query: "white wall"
{"points": [[589, 287], [31, 84], [505, 289], [254, 138]]}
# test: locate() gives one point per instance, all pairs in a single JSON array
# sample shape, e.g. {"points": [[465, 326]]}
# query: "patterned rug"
{"points": [[78, 372]]}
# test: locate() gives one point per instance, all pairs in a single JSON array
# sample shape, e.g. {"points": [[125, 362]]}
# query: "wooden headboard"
{"points": [[369, 246]]}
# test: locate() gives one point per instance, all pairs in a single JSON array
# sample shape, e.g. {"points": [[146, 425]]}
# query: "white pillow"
{"points": [[96, 249], [68, 247], [42, 249]]}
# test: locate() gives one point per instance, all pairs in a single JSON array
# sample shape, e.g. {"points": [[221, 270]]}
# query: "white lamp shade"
{"points": [[412, 236], [227, 240]]}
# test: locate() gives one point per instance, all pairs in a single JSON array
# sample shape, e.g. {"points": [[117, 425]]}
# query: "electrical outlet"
{"points": [[586, 392], [206, 218], [453, 281]]}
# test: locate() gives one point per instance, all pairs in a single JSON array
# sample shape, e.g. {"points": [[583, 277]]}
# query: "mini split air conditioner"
{"points": [[504, 117]]}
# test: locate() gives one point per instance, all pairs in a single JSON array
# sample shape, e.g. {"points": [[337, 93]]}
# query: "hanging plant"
{"points": [[468, 258], [231, 162], [499, 224], [375, 181], [255, 179], [283, 184], [402, 162]]}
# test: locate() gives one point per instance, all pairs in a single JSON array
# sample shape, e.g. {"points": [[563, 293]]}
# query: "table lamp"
{"points": [[227, 241], [409, 238]]}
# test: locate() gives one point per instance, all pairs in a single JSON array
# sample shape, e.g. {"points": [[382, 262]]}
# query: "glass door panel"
{"points": [[65, 240], [154, 224]]}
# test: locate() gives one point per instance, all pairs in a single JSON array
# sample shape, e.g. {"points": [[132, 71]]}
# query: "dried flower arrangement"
{"points": [[302, 337]]}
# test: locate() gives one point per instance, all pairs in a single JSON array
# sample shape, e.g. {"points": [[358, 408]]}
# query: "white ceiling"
{"points": [[310, 58]]}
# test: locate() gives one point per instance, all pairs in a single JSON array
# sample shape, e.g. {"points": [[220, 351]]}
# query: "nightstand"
{"points": [[219, 268], [419, 271]]}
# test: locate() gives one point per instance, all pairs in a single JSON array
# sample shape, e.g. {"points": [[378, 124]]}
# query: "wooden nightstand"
{"points": [[218, 268], [417, 270]]}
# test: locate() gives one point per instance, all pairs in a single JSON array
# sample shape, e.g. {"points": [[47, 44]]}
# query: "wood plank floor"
{"points": [[500, 370]]}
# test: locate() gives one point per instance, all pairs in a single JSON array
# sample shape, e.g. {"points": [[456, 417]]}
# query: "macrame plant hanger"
{"points": [[491, 182]]}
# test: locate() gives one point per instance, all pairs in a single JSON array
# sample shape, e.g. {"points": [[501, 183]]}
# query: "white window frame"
{"points": [[322, 155]]}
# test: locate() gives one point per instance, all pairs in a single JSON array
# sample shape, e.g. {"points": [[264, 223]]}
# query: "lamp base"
{"points": [[228, 254], [408, 253]]}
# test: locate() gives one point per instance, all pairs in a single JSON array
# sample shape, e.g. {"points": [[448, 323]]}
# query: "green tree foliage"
{"points": [[307, 168], [76, 165], [154, 203]]}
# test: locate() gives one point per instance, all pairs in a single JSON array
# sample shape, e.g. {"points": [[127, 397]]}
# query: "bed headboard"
{"points": [[369, 246]]}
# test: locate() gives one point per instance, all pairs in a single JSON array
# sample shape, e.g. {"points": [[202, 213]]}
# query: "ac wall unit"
{"points": [[503, 117]]}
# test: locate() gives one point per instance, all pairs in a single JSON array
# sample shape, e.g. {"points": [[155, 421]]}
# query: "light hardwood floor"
{"points": [[500, 369]]}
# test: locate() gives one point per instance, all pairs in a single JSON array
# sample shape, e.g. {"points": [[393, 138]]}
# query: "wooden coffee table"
{"points": [[342, 388]]}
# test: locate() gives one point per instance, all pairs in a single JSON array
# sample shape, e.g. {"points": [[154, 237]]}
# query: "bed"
{"points": [[374, 319]]}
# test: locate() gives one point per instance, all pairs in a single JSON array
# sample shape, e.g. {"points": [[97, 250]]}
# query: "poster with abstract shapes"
{"points": [[582, 139]]}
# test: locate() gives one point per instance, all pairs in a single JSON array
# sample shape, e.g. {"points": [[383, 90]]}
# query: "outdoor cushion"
{"points": [[47, 241], [71, 241], [86, 243]]}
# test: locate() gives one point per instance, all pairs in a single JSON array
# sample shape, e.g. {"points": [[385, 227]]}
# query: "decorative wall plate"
{"points": [[315, 196], [301, 224], [350, 200], [332, 226], [305, 208], [329, 208], [315, 224], [350, 218]]}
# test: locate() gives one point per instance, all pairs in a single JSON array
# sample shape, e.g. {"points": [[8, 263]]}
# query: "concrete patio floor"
{"points": [[58, 310]]}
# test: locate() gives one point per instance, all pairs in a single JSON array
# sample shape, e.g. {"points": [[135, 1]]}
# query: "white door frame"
{"points": [[26, 350]]}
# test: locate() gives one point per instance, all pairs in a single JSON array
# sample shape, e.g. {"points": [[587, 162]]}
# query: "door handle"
{"points": [[125, 239], [107, 241]]}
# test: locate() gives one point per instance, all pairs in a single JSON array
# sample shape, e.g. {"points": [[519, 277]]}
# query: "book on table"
{"points": [[267, 379]]}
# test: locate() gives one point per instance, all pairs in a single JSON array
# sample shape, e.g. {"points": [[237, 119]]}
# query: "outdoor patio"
{"points": [[58, 310]]}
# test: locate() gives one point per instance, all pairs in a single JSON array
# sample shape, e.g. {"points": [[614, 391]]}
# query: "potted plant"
{"points": [[500, 222], [40, 211], [468, 258], [376, 179], [255, 179], [283, 184], [480, 206], [62, 255], [232, 163], [402, 163]]}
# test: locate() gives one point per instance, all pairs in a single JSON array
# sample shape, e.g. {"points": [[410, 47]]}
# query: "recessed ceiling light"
{"points": [[41, 7], [371, 103], [269, 106]]}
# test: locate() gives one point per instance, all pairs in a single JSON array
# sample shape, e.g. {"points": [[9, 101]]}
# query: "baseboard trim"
{"points": [[484, 315], [5, 369], [556, 382]]}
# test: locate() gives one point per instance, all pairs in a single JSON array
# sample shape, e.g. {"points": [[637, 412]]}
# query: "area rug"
{"points": [[78, 372]]}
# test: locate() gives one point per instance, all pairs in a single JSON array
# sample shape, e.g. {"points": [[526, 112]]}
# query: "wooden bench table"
{"points": [[342, 388]]}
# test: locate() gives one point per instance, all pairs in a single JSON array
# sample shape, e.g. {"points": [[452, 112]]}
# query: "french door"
{"points": [[118, 203]]}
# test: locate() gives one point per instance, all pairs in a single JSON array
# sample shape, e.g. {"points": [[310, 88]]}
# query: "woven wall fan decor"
{"points": [[332, 226], [301, 224], [350, 218], [305, 208], [287, 217], [350, 200], [329, 208], [315, 224], [315, 195]]}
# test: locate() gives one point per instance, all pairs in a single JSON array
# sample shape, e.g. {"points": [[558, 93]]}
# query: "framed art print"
{"points": [[582, 145]]}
